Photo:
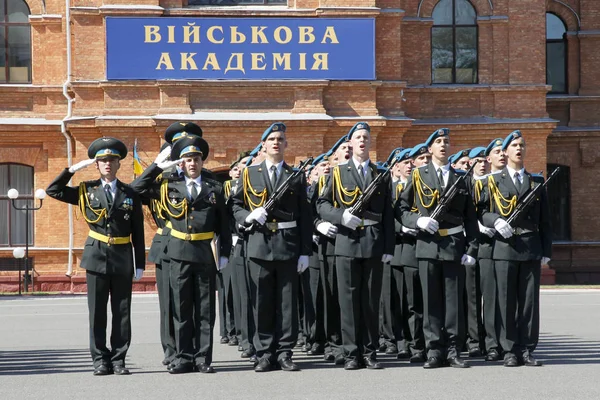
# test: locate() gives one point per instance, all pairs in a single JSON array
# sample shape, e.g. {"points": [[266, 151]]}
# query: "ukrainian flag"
{"points": [[137, 163]]}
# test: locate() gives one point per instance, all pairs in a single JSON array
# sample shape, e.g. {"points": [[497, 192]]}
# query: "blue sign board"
{"points": [[240, 48]]}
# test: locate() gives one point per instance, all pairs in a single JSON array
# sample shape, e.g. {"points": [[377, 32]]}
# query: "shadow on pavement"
{"points": [[567, 349], [34, 362]]}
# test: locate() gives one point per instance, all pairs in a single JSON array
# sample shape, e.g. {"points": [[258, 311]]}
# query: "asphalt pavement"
{"points": [[44, 355]]}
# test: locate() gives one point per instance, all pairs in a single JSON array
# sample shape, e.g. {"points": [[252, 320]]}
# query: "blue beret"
{"points": [[511, 136], [107, 147], [457, 156], [493, 144], [253, 154], [394, 153], [439, 133], [318, 159], [404, 154], [477, 152], [276, 127], [418, 150], [337, 144], [357, 127]]}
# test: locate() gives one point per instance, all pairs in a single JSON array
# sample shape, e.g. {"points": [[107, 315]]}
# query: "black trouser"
{"points": [[226, 313], [167, 329], [274, 295], [413, 310], [236, 295], [306, 311], [443, 313], [99, 287], [386, 322], [474, 323], [331, 305], [491, 313], [359, 286], [317, 329], [519, 304], [193, 288], [399, 308], [247, 329]]}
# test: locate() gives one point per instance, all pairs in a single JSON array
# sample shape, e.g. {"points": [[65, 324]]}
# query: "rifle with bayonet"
{"points": [[359, 207], [528, 200], [448, 196]]}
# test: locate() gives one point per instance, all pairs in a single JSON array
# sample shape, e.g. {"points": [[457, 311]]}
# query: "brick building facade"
{"points": [[52, 109]]}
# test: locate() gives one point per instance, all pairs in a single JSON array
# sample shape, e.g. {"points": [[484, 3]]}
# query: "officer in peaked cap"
{"points": [[178, 130], [444, 245], [113, 212], [363, 244], [519, 250], [279, 245]]}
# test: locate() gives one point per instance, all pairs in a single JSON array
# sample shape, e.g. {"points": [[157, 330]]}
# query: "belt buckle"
{"points": [[272, 226], [443, 232], [188, 237], [111, 240]]}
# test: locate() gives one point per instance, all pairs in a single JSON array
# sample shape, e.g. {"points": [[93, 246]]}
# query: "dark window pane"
{"points": [[4, 210], [559, 199], [466, 55], [17, 11], [21, 178], [17, 223], [555, 66], [19, 55], [2, 11], [442, 13], [555, 28], [2, 55], [442, 57], [465, 13], [3, 179]]}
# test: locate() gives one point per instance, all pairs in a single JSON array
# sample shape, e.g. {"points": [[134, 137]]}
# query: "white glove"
{"points": [[316, 239], [428, 224], [349, 220], [222, 263], [302, 264], [234, 240], [467, 260], [258, 214], [81, 165], [138, 274], [168, 164], [503, 228], [486, 231], [545, 261], [386, 258], [327, 228], [409, 231], [163, 155]]}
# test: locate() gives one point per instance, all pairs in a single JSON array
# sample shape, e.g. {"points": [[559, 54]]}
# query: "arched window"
{"points": [[15, 42], [12, 222], [454, 42], [556, 54]]}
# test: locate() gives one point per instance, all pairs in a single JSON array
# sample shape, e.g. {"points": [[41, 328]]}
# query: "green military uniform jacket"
{"points": [[265, 243], [123, 219], [494, 204], [341, 192], [418, 199]]}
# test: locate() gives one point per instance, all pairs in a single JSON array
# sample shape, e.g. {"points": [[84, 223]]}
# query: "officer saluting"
{"points": [[113, 212], [363, 243], [277, 250], [519, 250]]}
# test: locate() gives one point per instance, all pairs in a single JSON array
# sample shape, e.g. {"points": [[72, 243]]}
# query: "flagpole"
{"points": [[133, 158]]}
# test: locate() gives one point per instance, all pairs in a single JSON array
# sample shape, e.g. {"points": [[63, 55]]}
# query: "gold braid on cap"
{"points": [[342, 193], [248, 187], [505, 206], [164, 202], [84, 202], [420, 190]]}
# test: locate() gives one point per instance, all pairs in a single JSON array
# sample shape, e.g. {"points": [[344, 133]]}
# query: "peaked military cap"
{"points": [[457, 156], [179, 130], [242, 155], [439, 133], [418, 150], [107, 147], [477, 152], [511, 136], [276, 127], [493, 144], [188, 146], [359, 126]]}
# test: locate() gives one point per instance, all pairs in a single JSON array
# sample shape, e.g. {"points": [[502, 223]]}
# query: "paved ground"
{"points": [[43, 354]]}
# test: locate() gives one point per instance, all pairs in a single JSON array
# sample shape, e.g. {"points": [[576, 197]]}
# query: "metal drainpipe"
{"points": [[63, 127]]}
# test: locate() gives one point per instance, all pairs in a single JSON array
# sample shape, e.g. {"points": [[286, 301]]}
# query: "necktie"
{"points": [[441, 178], [518, 183], [361, 173], [109, 196], [194, 191], [273, 177]]}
